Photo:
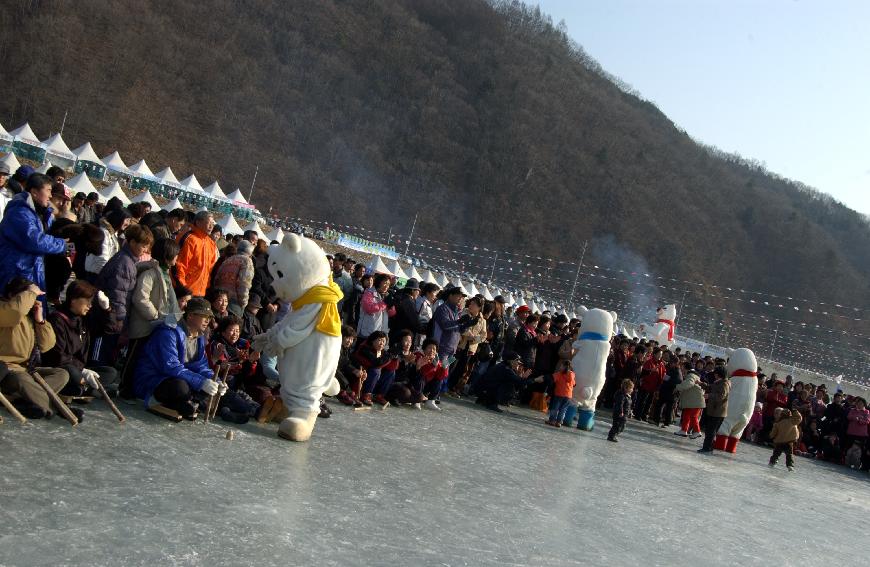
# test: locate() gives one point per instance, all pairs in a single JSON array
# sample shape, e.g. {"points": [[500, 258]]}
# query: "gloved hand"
{"points": [[465, 320], [261, 343], [102, 300], [222, 388], [209, 386], [91, 378]]}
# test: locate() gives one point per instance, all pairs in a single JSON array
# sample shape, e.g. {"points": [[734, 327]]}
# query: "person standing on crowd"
{"points": [[691, 404], [374, 311], [341, 278], [236, 275], [784, 434], [717, 407], [197, 256], [621, 410], [113, 224]]}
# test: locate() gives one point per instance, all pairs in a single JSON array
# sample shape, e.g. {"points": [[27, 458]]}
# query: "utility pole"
{"points": [[390, 236], [410, 236], [577, 275], [682, 301], [773, 344], [492, 272], [254, 180], [62, 124]]}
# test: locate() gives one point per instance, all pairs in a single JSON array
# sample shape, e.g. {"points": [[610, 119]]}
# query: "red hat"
{"points": [[524, 309]]}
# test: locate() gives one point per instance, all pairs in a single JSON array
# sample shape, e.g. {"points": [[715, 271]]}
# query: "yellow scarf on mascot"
{"points": [[328, 321]]}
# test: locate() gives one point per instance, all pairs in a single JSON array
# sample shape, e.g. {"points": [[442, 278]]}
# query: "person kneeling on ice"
{"points": [[691, 404], [785, 432], [500, 384], [173, 369], [621, 409]]}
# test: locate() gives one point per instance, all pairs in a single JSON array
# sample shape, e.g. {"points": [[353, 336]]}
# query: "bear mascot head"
{"points": [[297, 264]]}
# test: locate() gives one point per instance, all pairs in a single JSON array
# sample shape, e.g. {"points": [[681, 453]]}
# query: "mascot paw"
{"points": [[333, 389], [298, 426], [261, 343]]}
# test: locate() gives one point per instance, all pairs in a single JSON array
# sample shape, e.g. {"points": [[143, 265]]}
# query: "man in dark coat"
{"points": [[500, 384], [406, 311]]}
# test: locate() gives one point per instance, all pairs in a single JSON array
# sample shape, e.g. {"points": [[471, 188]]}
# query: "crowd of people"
{"points": [[161, 307]]}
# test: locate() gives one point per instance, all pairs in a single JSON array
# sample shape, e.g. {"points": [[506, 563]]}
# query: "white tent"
{"points": [[534, 307], [191, 183], [145, 197], [140, 168], [413, 273], [426, 276], [396, 270], [25, 134], [167, 177], [457, 282], [113, 190], [86, 152], [114, 162], [4, 135], [275, 234], [377, 266], [472, 289], [172, 205], [487, 294], [43, 169], [56, 146], [510, 300], [237, 196], [11, 161], [255, 226], [214, 190], [441, 279], [230, 226], [521, 300], [81, 183]]}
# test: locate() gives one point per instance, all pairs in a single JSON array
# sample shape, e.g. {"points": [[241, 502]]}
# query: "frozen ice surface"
{"points": [[407, 487]]}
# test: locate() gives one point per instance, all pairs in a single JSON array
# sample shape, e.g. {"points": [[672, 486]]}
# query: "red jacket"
{"points": [[563, 384], [773, 401], [431, 371], [653, 375]]}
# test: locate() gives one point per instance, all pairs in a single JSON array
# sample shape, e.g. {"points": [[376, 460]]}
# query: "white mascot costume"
{"points": [[663, 330], [742, 368], [307, 341], [590, 363]]}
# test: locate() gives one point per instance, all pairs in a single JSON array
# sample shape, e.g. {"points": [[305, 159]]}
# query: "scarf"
{"points": [[328, 321], [670, 325]]}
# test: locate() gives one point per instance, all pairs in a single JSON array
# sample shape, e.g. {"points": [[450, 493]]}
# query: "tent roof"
{"points": [[192, 183], [12, 161], [145, 197], [441, 279], [25, 134], [172, 205], [376, 266], [427, 276], [114, 161], [275, 234], [4, 134], [396, 270], [487, 295], [141, 168], [43, 169], [167, 175], [55, 144], [86, 152], [458, 283], [230, 226], [413, 273], [237, 196], [255, 226], [215, 191], [81, 183], [113, 190], [472, 289]]}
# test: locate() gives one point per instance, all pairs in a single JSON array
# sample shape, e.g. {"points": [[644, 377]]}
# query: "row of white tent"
{"points": [[55, 146], [394, 268]]}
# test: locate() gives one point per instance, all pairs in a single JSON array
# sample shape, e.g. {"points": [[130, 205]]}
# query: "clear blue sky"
{"points": [[786, 82]]}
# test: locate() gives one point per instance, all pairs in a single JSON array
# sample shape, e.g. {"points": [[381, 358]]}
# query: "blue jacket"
{"points": [[447, 328], [162, 358], [24, 242]]}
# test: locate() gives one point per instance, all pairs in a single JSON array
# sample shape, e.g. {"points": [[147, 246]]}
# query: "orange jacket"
{"points": [[563, 384], [195, 261]]}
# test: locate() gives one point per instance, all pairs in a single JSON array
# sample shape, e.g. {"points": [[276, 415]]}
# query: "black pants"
{"points": [[616, 428], [644, 400], [108, 378], [134, 347], [176, 394], [779, 449], [711, 426], [665, 412]]}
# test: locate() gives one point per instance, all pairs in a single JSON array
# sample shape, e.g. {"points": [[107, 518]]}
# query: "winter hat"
{"points": [[758, 406], [524, 309], [22, 173], [4, 169], [244, 247], [116, 217]]}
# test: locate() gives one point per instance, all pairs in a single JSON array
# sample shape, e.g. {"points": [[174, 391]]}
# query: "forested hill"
{"points": [[481, 116]]}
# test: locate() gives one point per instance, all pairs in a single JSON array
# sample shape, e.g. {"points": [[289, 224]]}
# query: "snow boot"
{"points": [[585, 419], [430, 404], [720, 442], [731, 446], [298, 426], [681, 433]]}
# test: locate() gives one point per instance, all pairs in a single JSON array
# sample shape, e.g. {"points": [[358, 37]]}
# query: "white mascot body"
{"points": [[663, 330], [590, 362], [307, 341], [742, 368]]}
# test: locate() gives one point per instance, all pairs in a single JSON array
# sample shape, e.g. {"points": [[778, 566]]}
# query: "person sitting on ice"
{"points": [[172, 368], [500, 384], [429, 374], [372, 355], [226, 350]]}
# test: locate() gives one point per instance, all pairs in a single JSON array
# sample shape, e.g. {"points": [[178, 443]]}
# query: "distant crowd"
{"points": [[162, 307]]}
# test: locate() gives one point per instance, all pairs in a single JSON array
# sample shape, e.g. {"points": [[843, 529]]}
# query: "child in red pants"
{"points": [[691, 404]]}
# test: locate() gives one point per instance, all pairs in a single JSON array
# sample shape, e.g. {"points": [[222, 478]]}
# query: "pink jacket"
{"points": [[858, 421]]}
